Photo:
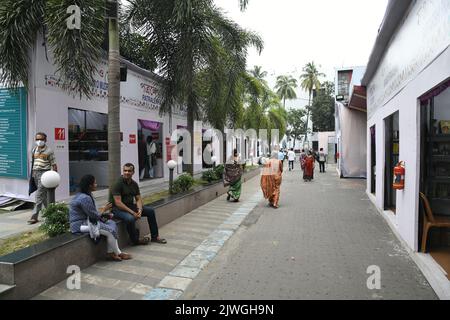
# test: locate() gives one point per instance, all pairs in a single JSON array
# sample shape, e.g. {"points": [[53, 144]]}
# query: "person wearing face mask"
{"points": [[43, 159]]}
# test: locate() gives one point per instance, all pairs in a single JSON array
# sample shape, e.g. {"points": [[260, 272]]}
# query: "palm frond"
{"points": [[20, 20], [76, 52]]}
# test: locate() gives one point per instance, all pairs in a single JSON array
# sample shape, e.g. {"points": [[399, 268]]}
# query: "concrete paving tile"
{"points": [[185, 272], [154, 258], [209, 248], [176, 283], [163, 294], [194, 262], [149, 264], [140, 289], [105, 282], [131, 296]]}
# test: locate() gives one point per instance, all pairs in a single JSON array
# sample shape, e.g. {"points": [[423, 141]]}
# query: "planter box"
{"points": [[27, 272]]}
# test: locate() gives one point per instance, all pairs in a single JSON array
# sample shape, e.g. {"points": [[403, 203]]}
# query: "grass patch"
{"points": [[21, 241], [155, 197]]}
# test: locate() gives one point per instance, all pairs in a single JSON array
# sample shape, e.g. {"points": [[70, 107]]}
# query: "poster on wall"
{"points": [[13, 133]]}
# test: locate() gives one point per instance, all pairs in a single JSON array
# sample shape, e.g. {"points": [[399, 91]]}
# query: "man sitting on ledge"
{"points": [[125, 197]]}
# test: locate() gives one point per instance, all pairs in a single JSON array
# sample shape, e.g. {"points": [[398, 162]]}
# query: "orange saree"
{"points": [[271, 178]]}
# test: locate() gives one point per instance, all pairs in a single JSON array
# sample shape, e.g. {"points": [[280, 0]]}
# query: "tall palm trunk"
{"points": [[114, 159], [224, 147], [190, 125], [307, 118]]}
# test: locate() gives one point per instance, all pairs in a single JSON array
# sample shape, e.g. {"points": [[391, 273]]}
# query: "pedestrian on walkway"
{"points": [[308, 172], [281, 156], [144, 165], [83, 212], [127, 205], [271, 179], [43, 160], [151, 153], [322, 160], [291, 158], [302, 159], [232, 177]]}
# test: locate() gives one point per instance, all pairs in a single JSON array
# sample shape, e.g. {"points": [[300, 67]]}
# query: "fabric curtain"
{"points": [[150, 125]]}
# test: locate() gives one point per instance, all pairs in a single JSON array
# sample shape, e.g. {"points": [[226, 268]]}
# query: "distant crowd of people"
{"points": [[272, 173]]}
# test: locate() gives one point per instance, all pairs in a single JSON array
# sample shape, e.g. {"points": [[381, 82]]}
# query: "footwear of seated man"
{"points": [[125, 256], [159, 240]]}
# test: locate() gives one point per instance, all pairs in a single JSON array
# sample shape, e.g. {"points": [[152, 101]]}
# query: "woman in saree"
{"points": [[308, 172], [232, 177], [271, 179]]}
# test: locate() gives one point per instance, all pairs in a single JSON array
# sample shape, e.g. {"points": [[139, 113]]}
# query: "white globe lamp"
{"points": [[171, 164], [50, 180]]}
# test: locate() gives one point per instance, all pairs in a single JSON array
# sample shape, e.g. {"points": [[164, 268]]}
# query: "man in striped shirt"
{"points": [[43, 160]]}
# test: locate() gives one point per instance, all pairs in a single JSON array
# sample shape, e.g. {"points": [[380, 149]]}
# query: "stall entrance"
{"points": [[392, 151], [88, 147], [373, 161], [435, 171], [150, 149]]}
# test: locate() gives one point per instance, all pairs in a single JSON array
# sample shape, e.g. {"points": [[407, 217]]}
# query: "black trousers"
{"points": [[322, 166], [291, 165]]}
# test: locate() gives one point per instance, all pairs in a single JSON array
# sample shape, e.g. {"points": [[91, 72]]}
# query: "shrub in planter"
{"points": [[210, 175], [219, 171], [56, 219], [183, 183]]}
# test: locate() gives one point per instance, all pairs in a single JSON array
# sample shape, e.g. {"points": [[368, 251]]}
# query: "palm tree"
{"points": [[76, 52], [263, 108], [285, 88], [194, 42], [310, 81], [258, 73], [243, 4]]}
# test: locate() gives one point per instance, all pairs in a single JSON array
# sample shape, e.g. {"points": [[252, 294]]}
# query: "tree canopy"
{"points": [[322, 110]]}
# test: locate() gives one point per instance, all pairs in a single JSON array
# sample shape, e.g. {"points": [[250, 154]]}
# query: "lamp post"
{"points": [[51, 180], [214, 159], [171, 164]]}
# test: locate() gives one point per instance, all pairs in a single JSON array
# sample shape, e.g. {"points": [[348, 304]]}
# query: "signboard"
{"points": [[132, 138], [60, 134], [169, 149], [428, 21], [13, 133]]}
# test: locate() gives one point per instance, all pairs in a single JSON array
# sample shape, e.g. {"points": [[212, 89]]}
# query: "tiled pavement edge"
{"points": [[176, 282], [165, 271]]}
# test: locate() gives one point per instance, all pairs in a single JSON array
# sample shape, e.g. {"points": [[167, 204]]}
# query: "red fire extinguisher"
{"points": [[399, 176]]}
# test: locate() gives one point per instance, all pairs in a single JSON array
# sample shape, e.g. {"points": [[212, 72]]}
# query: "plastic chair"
{"points": [[430, 221]]}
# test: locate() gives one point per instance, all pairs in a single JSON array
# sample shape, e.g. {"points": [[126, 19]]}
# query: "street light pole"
{"points": [[171, 164]]}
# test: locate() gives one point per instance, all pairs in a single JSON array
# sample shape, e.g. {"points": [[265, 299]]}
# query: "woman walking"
{"points": [[232, 177], [308, 172], [84, 217], [271, 179]]}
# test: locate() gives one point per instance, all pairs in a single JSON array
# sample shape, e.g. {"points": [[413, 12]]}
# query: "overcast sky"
{"points": [[332, 33]]}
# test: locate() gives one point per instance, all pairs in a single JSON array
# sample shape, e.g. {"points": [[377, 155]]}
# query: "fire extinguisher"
{"points": [[399, 176]]}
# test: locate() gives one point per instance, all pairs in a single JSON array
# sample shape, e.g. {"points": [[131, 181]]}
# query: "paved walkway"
{"points": [[326, 241], [164, 271], [222, 251]]}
